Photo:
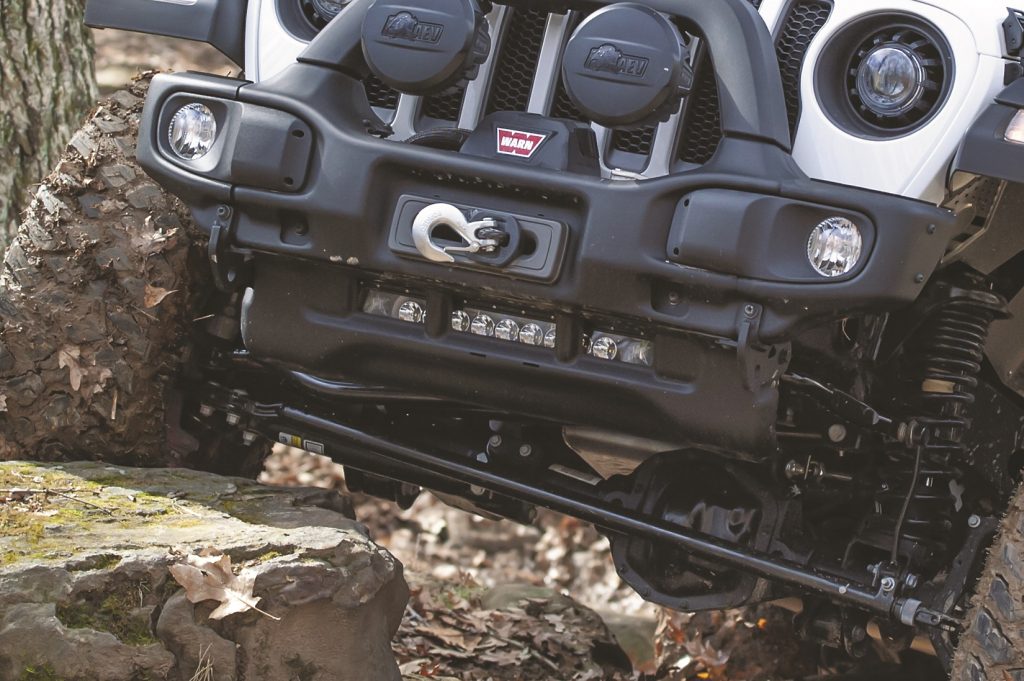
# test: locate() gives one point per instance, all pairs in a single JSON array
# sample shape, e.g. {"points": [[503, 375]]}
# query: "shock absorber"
{"points": [[954, 349]]}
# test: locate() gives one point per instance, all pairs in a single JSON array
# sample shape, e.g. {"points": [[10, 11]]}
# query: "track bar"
{"points": [[365, 451]]}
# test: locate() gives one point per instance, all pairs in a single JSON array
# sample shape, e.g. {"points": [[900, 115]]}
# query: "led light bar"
{"points": [[396, 306], [509, 328], [617, 348], [538, 333]]}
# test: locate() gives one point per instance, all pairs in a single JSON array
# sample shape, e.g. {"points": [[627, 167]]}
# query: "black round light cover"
{"points": [[626, 66], [425, 47]]}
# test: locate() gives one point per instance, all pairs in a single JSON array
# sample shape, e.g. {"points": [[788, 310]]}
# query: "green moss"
{"points": [[116, 612], [269, 555], [108, 481], [101, 562], [84, 507], [452, 594], [43, 673]]}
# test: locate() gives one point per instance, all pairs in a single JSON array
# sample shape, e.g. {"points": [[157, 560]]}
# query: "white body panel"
{"points": [[915, 165]]}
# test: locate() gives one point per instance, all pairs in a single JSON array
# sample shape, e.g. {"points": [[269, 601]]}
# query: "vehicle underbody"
{"points": [[651, 355]]}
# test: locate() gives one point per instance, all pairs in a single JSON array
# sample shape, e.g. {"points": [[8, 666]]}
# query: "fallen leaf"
{"points": [[68, 356], [3, 402], [155, 295], [101, 377], [209, 578]]}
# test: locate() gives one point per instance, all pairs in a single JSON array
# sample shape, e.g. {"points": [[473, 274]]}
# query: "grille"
{"points": [[802, 24], [702, 124], [444, 107], [563, 106], [703, 121], [634, 141], [516, 64], [517, 61], [379, 94]]}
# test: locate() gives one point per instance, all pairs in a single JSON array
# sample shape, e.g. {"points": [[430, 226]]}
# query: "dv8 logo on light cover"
{"points": [[610, 59], [406, 26]]}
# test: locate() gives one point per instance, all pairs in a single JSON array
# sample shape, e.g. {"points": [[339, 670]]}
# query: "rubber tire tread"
{"points": [[991, 647]]}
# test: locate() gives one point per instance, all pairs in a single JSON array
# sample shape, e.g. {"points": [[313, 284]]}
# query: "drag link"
{"points": [[363, 451]]}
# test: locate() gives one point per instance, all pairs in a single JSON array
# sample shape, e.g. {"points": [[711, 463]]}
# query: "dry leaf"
{"points": [[102, 377], [68, 356], [209, 578], [155, 295], [3, 402]]}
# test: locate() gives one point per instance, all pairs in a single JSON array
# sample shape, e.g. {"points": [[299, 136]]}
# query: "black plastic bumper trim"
{"points": [[221, 23], [985, 150]]}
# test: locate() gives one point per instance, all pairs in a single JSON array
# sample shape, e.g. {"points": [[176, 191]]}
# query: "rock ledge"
{"points": [[86, 595]]}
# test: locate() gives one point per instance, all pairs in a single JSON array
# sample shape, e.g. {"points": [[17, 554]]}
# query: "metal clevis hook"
{"points": [[438, 214]]}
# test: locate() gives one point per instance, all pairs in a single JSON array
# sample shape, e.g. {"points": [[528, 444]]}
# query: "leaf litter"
{"points": [[455, 629], [208, 577]]}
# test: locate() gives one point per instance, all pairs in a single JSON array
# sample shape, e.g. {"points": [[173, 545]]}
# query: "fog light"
{"points": [[550, 337], [1015, 131], [193, 131], [834, 247]]}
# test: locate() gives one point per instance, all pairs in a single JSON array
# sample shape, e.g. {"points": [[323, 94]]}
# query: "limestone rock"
{"points": [[85, 592]]}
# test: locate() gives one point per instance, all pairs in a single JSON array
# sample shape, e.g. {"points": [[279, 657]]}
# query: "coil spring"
{"points": [[952, 358], [924, 529], [922, 497]]}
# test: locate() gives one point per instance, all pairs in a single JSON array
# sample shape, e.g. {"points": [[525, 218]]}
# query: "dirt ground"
{"points": [[452, 558]]}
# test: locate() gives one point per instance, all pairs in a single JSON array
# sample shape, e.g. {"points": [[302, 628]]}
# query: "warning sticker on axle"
{"points": [[310, 446]]}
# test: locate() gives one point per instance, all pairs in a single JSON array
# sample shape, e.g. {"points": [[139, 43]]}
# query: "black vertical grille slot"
{"points": [[702, 122], [802, 23], [562, 106], [379, 94], [634, 141], [517, 61], [444, 107]]}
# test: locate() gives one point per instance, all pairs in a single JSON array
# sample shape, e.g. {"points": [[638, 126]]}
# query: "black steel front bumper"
{"points": [[709, 264]]}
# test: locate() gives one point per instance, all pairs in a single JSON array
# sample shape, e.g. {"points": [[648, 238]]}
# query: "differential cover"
{"points": [[627, 66], [427, 47]]}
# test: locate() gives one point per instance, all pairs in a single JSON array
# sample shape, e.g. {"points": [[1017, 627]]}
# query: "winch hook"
{"points": [[444, 214]]}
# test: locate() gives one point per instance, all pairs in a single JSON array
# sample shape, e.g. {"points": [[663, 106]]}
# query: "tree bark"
{"points": [[46, 87]]}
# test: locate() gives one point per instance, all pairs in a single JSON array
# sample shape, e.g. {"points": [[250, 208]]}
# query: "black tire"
{"points": [[992, 646], [97, 302]]}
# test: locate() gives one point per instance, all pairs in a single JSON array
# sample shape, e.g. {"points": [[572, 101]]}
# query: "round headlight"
{"points": [[890, 80], [328, 9], [834, 247], [193, 131]]}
